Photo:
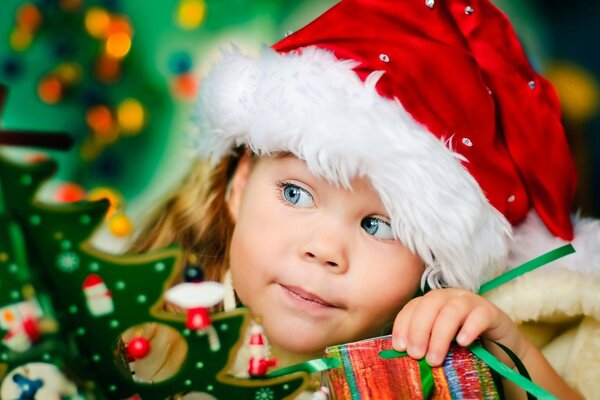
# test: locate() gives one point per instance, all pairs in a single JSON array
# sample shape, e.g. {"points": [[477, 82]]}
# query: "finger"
{"points": [[401, 323], [422, 320], [448, 322], [479, 320]]}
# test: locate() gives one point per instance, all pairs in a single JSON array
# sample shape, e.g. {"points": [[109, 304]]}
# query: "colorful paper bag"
{"points": [[365, 373]]}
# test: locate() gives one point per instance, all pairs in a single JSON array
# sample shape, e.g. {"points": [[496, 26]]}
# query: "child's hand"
{"points": [[426, 325]]}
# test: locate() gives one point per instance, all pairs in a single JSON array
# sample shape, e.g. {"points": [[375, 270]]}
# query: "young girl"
{"points": [[385, 147]]}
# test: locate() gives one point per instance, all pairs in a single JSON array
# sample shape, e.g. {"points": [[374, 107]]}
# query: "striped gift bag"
{"points": [[365, 374]]}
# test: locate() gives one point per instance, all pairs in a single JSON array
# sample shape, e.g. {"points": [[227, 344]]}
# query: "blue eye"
{"points": [[297, 196], [377, 227]]}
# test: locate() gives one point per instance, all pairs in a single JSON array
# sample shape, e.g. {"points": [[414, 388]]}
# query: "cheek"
{"points": [[386, 287], [250, 255], [243, 260]]}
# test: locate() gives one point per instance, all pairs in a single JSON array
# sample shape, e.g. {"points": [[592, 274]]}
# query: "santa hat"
{"points": [[257, 337], [433, 101]]}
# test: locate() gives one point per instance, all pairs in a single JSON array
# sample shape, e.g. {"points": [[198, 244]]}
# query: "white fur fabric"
{"points": [[559, 304], [314, 106]]}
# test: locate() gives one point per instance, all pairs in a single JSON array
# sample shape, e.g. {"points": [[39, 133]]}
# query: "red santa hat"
{"points": [[256, 336], [434, 101]]}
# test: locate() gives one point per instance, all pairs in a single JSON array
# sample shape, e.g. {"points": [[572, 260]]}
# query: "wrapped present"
{"points": [[365, 372]]}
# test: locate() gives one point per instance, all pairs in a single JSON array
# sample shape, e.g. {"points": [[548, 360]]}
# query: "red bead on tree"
{"points": [[138, 347]]}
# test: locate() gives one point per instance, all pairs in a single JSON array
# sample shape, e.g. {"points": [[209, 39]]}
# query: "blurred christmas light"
{"points": [[578, 90], [118, 45], [191, 13], [20, 39], [70, 5], [107, 69], [69, 192], [29, 17], [185, 87], [118, 24], [120, 225], [130, 116], [68, 73], [50, 90], [100, 120], [97, 21]]}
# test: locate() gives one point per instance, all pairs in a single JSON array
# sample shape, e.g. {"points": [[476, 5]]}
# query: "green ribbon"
{"points": [[517, 361], [509, 373], [427, 381], [316, 365], [526, 267]]}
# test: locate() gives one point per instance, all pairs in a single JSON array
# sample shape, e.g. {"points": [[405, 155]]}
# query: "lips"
{"points": [[308, 297]]}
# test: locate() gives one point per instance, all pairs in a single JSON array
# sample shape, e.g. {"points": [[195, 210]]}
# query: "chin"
{"points": [[296, 340]]}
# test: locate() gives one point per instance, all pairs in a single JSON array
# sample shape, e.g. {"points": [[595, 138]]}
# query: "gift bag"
{"points": [[366, 371]]}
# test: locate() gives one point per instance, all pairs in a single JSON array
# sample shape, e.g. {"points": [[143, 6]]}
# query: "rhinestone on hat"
{"points": [[467, 142], [384, 57], [511, 198], [469, 10], [531, 84], [430, 3]]}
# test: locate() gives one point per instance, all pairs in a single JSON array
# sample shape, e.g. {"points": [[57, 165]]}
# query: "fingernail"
{"points": [[416, 352], [462, 339], [433, 359], [399, 344]]}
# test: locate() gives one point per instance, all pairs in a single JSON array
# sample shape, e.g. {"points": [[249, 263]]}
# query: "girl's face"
{"points": [[315, 261]]}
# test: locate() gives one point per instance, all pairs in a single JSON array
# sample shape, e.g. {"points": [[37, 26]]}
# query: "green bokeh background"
{"points": [[144, 166]]}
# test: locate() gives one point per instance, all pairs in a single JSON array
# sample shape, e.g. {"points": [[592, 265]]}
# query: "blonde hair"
{"points": [[197, 218]]}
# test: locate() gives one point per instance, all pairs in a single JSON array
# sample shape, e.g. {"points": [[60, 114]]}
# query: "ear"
{"points": [[237, 185]]}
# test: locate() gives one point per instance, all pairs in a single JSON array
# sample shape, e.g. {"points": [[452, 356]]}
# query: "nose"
{"points": [[318, 256], [327, 245]]}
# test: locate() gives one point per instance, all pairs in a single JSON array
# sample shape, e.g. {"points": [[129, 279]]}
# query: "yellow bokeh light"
{"points": [[578, 90], [130, 115], [191, 13], [120, 225], [97, 21], [68, 73], [118, 45], [20, 39]]}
